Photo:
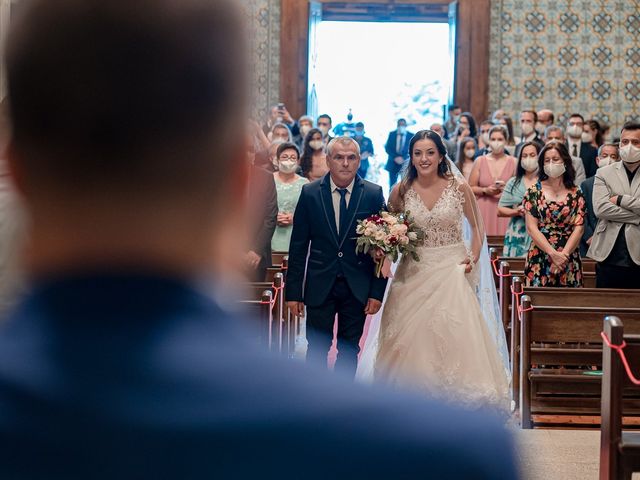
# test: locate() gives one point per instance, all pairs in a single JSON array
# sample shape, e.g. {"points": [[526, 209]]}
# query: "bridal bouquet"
{"points": [[391, 233]]}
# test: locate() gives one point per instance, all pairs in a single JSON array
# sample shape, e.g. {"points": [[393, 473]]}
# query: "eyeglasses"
{"points": [[288, 157]]}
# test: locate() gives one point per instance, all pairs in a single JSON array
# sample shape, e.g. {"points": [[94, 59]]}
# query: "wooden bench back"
{"points": [[615, 384], [517, 264]]}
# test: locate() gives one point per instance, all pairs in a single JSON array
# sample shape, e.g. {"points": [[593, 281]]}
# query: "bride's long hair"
{"points": [[411, 173]]}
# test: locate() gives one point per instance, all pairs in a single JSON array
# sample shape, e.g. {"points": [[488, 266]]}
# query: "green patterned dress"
{"points": [[288, 195], [516, 239], [556, 221]]}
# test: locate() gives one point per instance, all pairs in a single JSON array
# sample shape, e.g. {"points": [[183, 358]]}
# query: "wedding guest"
{"points": [[555, 210], [615, 243], [305, 123], [280, 132], [313, 162], [452, 148], [607, 154], [579, 148], [488, 179], [397, 148], [516, 240], [483, 137], [278, 114], [288, 188], [466, 126], [465, 157], [555, 133], [592, 133], [528, 121], [450, 124], [366, 149], [508, 124], [545, 119], [325, 124], [125, 360]]}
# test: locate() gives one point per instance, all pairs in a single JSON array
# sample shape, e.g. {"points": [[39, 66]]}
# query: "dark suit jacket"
{"points": [[536, 139], [588, 154], [264, 214], [315, 233], [590, 220], [391, 148], [138, 376]]}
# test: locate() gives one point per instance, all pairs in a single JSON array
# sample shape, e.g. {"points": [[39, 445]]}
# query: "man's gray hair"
{"points": [[344, 141], [553, 128], [282, 125], [614, 145]]}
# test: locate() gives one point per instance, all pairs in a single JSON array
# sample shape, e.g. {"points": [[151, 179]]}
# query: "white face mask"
{"points": [[402, 130], [470, 153], [287, 166], [540, 128], [527, 129], [324, 129], [554, 170], [497, 146], [587, 137], [530, 164], [485, 138], [316, 144], [575, 131], [603, 161], [630, 154], [304, 129]]}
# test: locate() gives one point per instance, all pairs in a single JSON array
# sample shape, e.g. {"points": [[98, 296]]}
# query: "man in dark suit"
{"points": [[528, 120], [397, 147], [607, 154], [264, 213], [334, 280], [578, 148], [124, 360]]}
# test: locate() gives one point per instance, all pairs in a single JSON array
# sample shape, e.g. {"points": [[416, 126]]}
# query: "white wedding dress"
{"points": [[432, 333]]}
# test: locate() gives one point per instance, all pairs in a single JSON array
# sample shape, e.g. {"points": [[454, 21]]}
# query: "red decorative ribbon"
{"points": [[623, 357]]}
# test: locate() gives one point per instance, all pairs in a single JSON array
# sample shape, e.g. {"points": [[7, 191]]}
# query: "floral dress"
{"points": [[516, 240], [556, 221]]}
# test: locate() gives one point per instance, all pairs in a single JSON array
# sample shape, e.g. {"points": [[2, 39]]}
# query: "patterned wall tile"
{"points": [[567, 55], [264, 21]]}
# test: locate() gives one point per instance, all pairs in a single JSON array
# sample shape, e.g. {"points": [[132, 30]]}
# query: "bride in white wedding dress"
{"points": [[433, 335]]}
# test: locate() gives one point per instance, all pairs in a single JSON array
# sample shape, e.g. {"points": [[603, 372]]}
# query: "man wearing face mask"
{"points": [[578, 148], [450, 144], [483, 140], [397, 147], [366, 149], [545, 119], [450, 125], [607, 154], [324, 125], [305, 123], [615, 243], [528, 120]]}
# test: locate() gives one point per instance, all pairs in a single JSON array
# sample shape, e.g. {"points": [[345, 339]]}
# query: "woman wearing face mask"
{"points": [[288, 188], [313, 161], [488, 178], [592, 133], [467, 149], [555, 210], [508, 124], [516, 240]]}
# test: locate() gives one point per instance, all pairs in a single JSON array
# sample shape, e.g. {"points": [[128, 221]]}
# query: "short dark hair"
{"points": [[287, 146], [632, 125], [535, 114], [453, 107], [576, 115], [569, 175], [359, 125], [104, 94], [324, 115]]}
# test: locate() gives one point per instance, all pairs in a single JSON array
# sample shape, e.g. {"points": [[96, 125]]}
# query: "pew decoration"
{"points": [[623, 358]]}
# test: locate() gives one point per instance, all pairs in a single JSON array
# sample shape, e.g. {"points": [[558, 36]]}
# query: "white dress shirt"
{"points": [[571, 142], [335, 197]]}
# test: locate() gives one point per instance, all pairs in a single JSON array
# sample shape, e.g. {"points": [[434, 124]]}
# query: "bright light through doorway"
{"points": [[383, 71]]}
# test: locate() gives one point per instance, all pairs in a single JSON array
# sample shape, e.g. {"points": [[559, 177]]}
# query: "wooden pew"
{"points": [[282, 268], [572, 338], [619, 451], [276, 258], [261, 310], [561, 297]]}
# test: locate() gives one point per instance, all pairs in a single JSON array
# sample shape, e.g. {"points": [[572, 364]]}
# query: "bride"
{"points": [[433, 334]]}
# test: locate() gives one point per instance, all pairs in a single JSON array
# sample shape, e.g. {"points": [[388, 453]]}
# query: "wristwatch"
{"points": [[619, 200]]}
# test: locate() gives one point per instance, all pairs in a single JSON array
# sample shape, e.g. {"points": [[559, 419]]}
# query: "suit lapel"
{"points": [[327, 206], [624, 180], [635, 184], [354, 204]]}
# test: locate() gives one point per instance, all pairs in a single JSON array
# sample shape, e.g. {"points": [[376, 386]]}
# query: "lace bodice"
{"points": [[442, 224]]}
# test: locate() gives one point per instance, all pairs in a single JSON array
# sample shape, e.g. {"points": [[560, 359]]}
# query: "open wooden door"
{"points": [[453, 53]]}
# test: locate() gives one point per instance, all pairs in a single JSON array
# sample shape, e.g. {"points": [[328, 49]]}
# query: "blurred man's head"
{"points": [[553, 133], [280, 132], [608, 153], [126, 109], [324, 124], [437, 127]]}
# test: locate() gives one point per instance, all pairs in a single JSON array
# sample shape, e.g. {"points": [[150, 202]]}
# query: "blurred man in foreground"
{"points": [[122, 362]]}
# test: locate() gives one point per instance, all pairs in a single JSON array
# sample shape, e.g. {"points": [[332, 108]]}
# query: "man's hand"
{"points": [[252, 259], [286, 116], [296, 308], [399, 160], [372, 307], [614, 199]]}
